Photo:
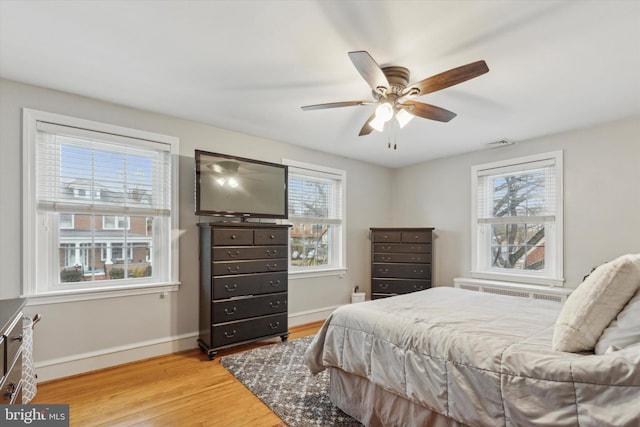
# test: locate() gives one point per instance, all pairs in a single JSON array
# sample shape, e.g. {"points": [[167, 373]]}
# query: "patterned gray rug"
{"points": [[278, 376]]}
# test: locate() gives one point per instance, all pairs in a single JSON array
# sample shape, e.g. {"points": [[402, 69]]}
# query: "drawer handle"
{"points": [[275, 283], [418, 271], [231, 288], [274, 326], [16, 338], [271, 236], [272, 267], [384, 285], [11, 389], [272, 252], [277, 304], [386, 248], [386, 236], [233, 255], [386, 258], [383, 270], [233, 237], [233, 269], [230, 335], [418, 287], [416, 258], [230, 312], [416, 237]]}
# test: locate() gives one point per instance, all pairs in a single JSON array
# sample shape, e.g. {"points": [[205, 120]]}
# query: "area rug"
{"points": [[278, 376]]}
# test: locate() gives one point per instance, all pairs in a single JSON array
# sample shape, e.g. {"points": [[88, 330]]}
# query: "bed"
{"points": [[450, 357]]}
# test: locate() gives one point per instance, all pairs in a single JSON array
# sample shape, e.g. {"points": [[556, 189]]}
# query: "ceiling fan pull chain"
{"points": [[393, 129]]}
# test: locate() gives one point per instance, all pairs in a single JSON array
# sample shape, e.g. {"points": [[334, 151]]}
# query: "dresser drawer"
{"points": [[222, 268], [248, 252], [416, 237], [243, 308], [407, 258], [407, 271], [11, 387], [251, 284], [402, 248], [13, 341], [244, 330], [391, 286], [232, 236], [386, 236], [271, 237]]}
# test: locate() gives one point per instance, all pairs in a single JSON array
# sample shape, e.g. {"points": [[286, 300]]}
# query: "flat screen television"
{"points": [[232, 186]]}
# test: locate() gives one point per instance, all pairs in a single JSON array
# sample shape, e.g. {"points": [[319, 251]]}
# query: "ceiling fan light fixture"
{"points": [[403, 117], [384, 112], [377, 123]]}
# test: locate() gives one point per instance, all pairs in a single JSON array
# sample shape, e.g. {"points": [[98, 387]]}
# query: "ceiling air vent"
{"points": [[501, 143]]}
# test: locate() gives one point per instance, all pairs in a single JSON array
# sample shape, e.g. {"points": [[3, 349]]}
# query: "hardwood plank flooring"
{"points": [[180, 389]]}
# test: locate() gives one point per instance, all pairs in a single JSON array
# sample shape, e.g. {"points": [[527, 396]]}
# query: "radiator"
{"points": [[513, 289]]}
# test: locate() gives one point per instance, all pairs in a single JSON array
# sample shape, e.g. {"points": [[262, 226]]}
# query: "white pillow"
{"points": [[595, 303], [624, 330]]}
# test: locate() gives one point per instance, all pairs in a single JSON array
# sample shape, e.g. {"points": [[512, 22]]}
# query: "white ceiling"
{"points": [[249, 66]]}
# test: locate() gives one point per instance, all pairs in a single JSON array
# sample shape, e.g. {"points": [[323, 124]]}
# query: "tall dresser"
{"points": [[243, 284], [11, 350], [401, 260]]}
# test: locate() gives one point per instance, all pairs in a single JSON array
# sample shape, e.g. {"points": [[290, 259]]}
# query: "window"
{"points": [[101, 203], [517, 220], [316, 212], [66, 220], [115, 222]]}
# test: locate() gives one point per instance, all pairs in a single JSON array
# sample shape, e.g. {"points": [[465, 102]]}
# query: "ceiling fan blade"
{"points": [[369, 69], [334, 105], [449, 78], [427, 111], [367, 129]]}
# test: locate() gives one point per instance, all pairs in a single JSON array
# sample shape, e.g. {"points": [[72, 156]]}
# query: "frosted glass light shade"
{"points": [[403, 117], [384, 112]]}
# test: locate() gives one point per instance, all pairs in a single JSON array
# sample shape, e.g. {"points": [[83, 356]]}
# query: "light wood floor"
{"points": [[181, 389]]}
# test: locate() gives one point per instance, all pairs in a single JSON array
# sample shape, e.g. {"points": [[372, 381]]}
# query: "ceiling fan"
{"points": [[391, 90]]}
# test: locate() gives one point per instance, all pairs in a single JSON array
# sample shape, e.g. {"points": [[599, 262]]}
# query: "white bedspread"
{"points": [[481, 359]]}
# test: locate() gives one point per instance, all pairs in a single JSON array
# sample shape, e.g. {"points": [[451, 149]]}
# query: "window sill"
{"points": [[303, 274], [522, 279], [55, 297]]}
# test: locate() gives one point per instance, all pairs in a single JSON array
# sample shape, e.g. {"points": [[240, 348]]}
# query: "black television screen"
{"points": [[237, 187]]}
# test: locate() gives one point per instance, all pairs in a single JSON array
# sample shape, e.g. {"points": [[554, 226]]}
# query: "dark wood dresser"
{"points": [[243, 283], [401, 260], [11, 350]]}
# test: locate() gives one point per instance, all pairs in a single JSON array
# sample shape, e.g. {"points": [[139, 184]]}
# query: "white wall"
{"points": [[78, 336], [601, 198]]}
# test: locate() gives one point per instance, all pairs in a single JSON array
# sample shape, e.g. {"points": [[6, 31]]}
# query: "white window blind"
{"points": [[83, 171], [518, 193], [315, 199]]}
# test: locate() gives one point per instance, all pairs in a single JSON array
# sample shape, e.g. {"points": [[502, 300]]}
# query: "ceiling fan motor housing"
{"points": [[398, 78]]}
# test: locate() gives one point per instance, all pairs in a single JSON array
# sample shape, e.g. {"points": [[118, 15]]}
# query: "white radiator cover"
{"points": [[513, 289]]}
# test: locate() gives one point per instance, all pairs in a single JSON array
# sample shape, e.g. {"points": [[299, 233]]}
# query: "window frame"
{"points": [[41, 294], [479, 270], [340, 266], [117, 222]]}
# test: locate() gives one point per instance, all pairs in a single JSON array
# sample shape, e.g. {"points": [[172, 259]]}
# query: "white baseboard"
{"points": [[81, 363], [308, 316]]}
